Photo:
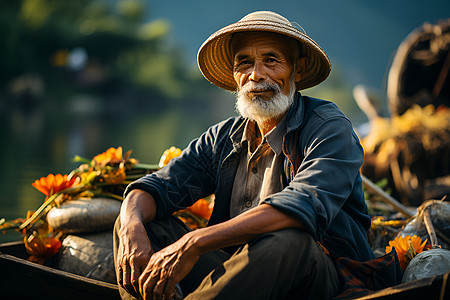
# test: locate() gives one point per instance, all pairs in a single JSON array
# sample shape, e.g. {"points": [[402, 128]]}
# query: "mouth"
{"points": [[261, 91]]}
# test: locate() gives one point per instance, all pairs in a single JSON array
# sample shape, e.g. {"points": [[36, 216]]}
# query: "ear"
{"points": [[300, 68]]}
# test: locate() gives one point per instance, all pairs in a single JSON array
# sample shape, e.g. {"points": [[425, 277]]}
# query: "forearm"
{"points": [[242, 228], [134, 249], [138, 206]]}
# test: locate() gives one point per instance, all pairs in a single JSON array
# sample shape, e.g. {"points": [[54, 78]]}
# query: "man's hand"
{"points": [[135, 250], [133, 255], [166, 268]]}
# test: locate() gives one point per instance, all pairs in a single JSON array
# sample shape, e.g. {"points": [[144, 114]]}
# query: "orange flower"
{"points": [[197, 215], [41, 247], [112, 155], [201, 208], [53, 184], [406, 247], [190, 222], [40, 241], [168, 155]]}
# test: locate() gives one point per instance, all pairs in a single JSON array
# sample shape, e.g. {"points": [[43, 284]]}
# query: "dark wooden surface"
{"points": [[21, 279], [431, 288]]}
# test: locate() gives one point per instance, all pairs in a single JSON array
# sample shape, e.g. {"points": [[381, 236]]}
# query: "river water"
{"points": [[40, 139]]}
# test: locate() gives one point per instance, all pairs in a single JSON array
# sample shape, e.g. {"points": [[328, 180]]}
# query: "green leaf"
{"points": [[78, 158]]}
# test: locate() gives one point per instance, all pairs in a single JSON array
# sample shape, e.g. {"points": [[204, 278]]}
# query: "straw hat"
{"points": [[215, 56]]}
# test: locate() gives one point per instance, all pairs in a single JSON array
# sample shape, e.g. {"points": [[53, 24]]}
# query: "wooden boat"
{"points": [[431, 288], [21, 279]]}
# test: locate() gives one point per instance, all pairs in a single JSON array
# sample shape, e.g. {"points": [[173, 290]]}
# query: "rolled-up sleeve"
{"points": [[185, 179], [326, 177]]}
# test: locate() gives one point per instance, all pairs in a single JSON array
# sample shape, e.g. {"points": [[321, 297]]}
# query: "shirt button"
{"points": [[254, 170], [248, 203]]}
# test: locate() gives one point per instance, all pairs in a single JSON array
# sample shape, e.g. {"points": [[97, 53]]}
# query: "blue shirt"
{"points": [[321, 179]]}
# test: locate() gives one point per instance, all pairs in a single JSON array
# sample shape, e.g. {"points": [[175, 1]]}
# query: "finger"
{"points": [[135, 272], [126, 277], [169, 291], [128, 280], [119, 274], [158, 291], [147, 283]]}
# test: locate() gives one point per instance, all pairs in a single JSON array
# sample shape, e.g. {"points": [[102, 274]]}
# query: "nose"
{"points": [[257, 73]]}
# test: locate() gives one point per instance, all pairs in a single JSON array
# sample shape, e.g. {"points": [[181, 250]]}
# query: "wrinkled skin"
{"points": [[133, 256], [166, 268]]}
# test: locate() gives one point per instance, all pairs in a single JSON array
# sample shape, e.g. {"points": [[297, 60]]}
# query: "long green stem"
{"points": [[111, 195], [53, 197], [146, 166], [49, 201]]}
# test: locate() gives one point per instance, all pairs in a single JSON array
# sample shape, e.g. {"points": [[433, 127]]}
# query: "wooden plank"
{"points": [[21, 279], [431, 288], [16, 249]]}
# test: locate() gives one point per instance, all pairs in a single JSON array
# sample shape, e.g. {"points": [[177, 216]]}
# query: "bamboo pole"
{"points": [[430, 229], [387, 198]]}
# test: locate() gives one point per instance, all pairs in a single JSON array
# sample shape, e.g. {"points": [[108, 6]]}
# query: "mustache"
{"points": [[259, 87]]}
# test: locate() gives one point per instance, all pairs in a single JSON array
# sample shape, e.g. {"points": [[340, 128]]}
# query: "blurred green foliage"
{"points": [[83, 45], [53, 50], [335, 89]]}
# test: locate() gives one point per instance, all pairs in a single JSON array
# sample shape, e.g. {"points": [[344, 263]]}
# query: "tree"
{"points": [[87, 45]]}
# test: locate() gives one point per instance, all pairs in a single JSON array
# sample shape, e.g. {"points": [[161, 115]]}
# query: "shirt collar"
{"points": [[248, 134], [274, 137], [293, 120], [295, 114]]}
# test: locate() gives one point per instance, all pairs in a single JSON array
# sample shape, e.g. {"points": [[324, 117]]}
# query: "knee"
{"points": [[286, 241], [290, 250], [285, 251]]}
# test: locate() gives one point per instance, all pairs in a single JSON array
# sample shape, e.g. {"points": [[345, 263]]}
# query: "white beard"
{"points": [[262, 110]]}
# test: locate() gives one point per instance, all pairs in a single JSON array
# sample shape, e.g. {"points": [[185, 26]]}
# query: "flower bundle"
{"points": [[106, 174]]}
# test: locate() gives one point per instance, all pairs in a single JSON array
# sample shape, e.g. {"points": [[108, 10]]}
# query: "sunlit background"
{"points": [[80, 76]]}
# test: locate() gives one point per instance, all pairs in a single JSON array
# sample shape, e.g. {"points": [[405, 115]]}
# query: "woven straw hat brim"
{"points": [[215, 56]]}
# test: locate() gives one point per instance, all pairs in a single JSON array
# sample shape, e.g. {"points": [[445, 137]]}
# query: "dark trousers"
{"points": [[285, 264]]}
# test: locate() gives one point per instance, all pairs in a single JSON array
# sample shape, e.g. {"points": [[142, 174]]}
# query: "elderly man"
{"points": [[285, 174]]}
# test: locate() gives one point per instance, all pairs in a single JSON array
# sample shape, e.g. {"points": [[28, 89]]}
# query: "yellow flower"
{"points": [[88, 176], [112, 155], [168, 155], [406, 247]]}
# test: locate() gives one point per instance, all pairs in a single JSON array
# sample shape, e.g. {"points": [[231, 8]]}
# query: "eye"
{"points": [[242, 64], [271, 60]]}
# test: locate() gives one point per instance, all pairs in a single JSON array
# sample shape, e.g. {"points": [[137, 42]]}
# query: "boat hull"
{"points": [[21, 279]]}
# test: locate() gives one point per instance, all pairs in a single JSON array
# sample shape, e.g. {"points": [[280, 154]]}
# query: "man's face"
{"points": [[263, 57], [263, 69]]}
